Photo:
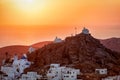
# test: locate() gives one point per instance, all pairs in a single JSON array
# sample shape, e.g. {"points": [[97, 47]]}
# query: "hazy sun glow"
{"points": [[31, 21], [30, 6]]}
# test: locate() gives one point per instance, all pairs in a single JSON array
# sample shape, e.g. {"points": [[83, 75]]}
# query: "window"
{"points": [[67, 72], [72, 76]]}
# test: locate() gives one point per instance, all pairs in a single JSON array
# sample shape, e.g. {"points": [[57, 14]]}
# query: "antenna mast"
{"points": [[75, 30]]}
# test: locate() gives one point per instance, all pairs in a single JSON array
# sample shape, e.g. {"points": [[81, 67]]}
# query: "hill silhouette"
{"points": [[112, 43]]}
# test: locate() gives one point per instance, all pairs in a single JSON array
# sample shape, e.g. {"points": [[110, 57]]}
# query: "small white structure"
{"points": [[101, 71], [31, 76], [70, 74], [24, 77], [62, 73], [31, 49], [57, 40], [6, 78], [21, 64], [17, 67], [9, 71], [54, 73], [52, 66], [85, 31]]}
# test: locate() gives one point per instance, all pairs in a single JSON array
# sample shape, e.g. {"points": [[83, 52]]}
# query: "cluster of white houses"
{"points": [[62, 73], [31, 76], [55, 72], [15, 69]]}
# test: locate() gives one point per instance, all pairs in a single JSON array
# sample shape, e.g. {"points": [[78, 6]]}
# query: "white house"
{"points": [[101, 71], [31, 76], [9, 71], [52, 66], [70, 74], [62, 73], [31, 49], [85, 31], [54, 73], [24, 77], [57, 40], [21, 64]]}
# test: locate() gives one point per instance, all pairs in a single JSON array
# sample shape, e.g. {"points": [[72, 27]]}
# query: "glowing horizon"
{"points": [[29, 21]]}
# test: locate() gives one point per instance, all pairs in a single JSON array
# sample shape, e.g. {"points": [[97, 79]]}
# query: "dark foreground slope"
{"points": [[81, 51]]}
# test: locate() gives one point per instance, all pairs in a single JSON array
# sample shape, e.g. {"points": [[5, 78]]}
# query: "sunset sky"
{"points": [[25, 22]]}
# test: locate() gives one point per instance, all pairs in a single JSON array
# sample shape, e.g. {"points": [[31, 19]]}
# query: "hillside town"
{"points": [[13, 69]]}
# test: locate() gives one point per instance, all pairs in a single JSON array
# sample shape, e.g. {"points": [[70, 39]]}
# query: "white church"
{"points": [[57, 40], [85, 31], [17, 67]]}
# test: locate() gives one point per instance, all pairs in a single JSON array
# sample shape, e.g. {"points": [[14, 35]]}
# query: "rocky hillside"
{"points": [[19, 49], [41, 44], [81, 51], [112, 43]]}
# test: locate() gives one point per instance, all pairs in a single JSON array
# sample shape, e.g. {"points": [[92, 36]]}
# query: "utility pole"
{"points": [[75, 30]]}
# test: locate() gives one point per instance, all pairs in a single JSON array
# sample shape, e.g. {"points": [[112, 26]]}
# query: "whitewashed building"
{"points": [[17, 67], [101, 71], [31, 49], [70, 74], [10, 71], [54, 73], [62, 73], [85, 31], [57, 40], [30, 76], [21, 64]]}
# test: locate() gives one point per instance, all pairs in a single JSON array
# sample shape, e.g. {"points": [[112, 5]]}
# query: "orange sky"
{"points": [[29, 21]]}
